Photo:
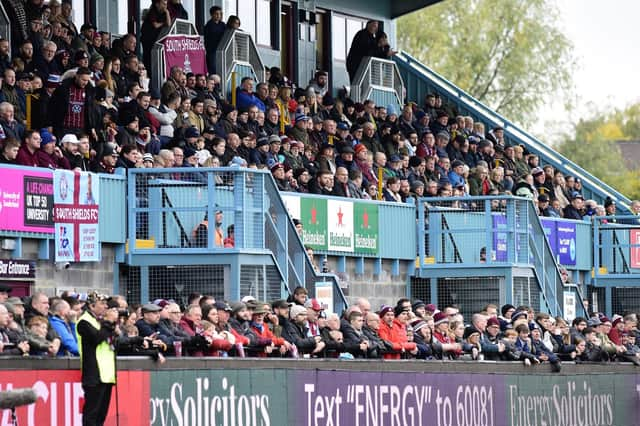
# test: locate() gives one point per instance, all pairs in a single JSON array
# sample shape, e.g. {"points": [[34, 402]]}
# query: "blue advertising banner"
{"points": [[566, 236], [499, 237], [549, 227]]}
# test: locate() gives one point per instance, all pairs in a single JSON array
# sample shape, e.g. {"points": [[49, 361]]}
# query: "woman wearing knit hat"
{"points": [[449, 349]]}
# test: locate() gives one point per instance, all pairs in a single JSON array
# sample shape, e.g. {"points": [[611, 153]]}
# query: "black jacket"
{"points": [[91, 338], [60, 100]]}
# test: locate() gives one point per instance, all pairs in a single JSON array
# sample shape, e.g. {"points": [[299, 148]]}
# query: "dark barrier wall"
{"points": [[228, 392]]}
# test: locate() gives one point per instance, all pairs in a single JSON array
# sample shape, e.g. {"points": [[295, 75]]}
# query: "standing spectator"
{"points": [[96, 332], [70, 103], [157, 18], [364, 44], [213, 32]]}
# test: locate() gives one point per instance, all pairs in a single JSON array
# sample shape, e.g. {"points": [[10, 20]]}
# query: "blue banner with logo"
{"points": [[566, 242], [500, 237]]}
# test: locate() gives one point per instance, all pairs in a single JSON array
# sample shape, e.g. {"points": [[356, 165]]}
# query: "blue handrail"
{"points": [[599, 189]]}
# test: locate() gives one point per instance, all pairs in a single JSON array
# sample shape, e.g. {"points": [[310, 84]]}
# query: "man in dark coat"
{"points": [[364, 44], [213, 32], [70, 104]]}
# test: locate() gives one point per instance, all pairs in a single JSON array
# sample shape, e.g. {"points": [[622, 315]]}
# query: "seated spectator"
{"points": [[10, 127], [11, 343], [10, 149], [295, 332], [36, 333], [62, 319]]}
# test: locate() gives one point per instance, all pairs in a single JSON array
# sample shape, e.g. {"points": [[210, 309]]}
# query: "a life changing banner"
{"points": [[75, 196], [263, 397], [336, 225], [26, 200]]}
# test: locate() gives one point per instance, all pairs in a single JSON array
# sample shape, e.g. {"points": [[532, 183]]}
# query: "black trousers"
{"points": [[96, 404]]}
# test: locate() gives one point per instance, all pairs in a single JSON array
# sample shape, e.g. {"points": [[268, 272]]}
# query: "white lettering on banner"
{"points": [[203, 409], [393, 405], [56, 401], [182, 44], [561, 407]]}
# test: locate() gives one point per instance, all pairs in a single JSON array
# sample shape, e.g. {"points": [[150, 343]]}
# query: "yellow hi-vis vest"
{"points": [[105, 356]]}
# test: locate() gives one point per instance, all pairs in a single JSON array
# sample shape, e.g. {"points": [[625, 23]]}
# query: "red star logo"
{"points": [[314, 215], [340, 214], [365, 220]]}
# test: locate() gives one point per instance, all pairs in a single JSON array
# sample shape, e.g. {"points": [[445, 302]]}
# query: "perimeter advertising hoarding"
{"points": [[26, 200], [336, 225], [305, 397], [60, 398]]}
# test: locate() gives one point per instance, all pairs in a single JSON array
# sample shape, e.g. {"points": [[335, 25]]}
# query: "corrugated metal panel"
{"points": [[397, 225], [112, 210]]}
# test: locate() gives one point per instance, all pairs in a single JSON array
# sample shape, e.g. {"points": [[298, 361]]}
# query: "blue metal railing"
{"points": [[168, 205], [419, 79], [488, 231]]}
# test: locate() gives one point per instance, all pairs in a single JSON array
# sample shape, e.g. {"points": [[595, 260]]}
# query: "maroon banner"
{"points": [[186, 52]]}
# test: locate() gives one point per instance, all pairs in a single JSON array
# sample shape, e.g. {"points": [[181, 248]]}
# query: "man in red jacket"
{"points": [[393, 330]]}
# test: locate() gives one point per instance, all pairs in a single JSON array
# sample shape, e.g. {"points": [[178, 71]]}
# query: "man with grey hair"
{"points": [[62, 320], [44, 65], [11, 127], [10, 343]]}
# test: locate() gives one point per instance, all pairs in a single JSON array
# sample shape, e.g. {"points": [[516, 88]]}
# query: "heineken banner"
{"points": [[336, 225]]}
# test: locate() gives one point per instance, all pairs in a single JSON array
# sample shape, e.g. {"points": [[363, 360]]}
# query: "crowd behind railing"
{"points": [[299, 327], [74, 99]]}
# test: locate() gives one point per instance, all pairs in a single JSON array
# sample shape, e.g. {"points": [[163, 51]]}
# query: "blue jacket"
{"points": [[67, 333], [244, 100]]}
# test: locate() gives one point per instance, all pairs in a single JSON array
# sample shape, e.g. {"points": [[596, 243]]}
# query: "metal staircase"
{"points": [[420, 80]]}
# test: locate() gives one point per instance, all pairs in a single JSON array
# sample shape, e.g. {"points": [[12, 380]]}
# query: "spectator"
{"points": [[70, 103], [50, 155], [10, 149], [157, 18], [62, 320], [213, 32], [365, 43]]}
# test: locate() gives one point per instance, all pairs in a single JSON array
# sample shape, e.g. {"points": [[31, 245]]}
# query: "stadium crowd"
{"points": [[300, 328], [91, 108]]}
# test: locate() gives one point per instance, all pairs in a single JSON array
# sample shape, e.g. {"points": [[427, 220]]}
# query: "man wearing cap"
{"points": [[83, 40], [96, 332], [70, 103], [299, 131], [296, 332], [5, 290], [574, 210], [267, 341], [393, 330], [50, 155], [106, 161]]}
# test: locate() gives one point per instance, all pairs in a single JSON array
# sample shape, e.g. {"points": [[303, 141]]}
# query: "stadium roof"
{"points": [[399, 8]]}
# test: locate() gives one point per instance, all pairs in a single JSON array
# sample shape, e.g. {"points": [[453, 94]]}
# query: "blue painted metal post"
{"points": [[144, 284], [211, 217], [44, 251], [116, 278], [234, 279], [433, 283], [17, 250], [360, 265], [395, 267], [421, 233], [239, 206], [341, 264], [512, 233], [488, 240], [608, 295], [508, 286]]}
